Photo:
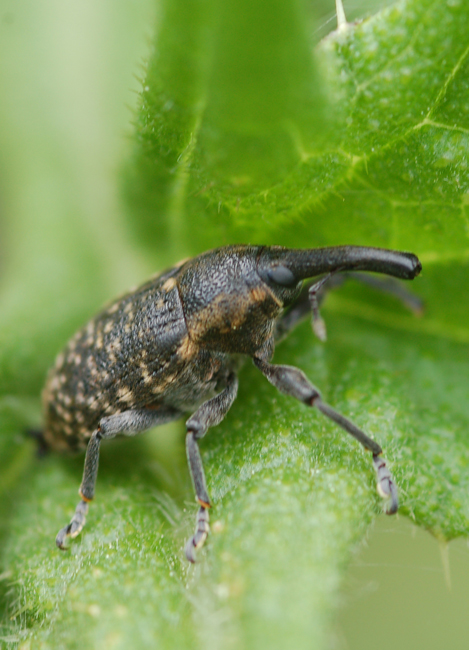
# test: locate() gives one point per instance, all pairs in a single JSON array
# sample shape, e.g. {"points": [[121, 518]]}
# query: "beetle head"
{"points": [[277, 274], [232, 296]]}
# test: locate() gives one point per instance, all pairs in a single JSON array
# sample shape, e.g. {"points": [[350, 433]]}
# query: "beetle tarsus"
{"points": [[197, 540], [386, 487], [318, 323], [74, 527], [319, 327]]}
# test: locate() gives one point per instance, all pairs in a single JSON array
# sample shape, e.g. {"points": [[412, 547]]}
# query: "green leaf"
{"points": [[241, 134]]}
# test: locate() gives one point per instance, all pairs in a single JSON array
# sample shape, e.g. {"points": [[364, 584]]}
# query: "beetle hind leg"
{"points": [[75, 527], [202, 530], [86, 491], [128, 423]]}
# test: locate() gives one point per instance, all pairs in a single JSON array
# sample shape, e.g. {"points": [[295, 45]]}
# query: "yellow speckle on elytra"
{"points": [[113, 308], [169, 284]]}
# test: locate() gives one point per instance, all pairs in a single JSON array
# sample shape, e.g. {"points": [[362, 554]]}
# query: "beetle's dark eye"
{"points": [[282, 276]]}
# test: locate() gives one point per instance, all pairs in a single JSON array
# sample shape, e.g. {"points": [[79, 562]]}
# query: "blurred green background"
{"points": [[101, 187]]}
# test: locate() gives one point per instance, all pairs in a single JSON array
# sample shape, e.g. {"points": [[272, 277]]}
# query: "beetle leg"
{"points": [[304, 303], [209, 414], [129, 423], [391, 286], [310, 298], [319, 326], [288, 321], [293, 382], [386, 285]]}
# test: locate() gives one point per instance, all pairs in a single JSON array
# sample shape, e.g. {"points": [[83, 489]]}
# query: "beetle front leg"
{"points": [[308, 302], [313, 295], [129, 423], [208, 415], [293, 382]]}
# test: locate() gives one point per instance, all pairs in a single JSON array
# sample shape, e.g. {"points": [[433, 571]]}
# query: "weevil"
{"points": [[172, 347]]}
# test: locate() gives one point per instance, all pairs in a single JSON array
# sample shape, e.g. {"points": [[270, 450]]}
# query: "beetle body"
{"points": [[165, 345], [172, 346]]}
